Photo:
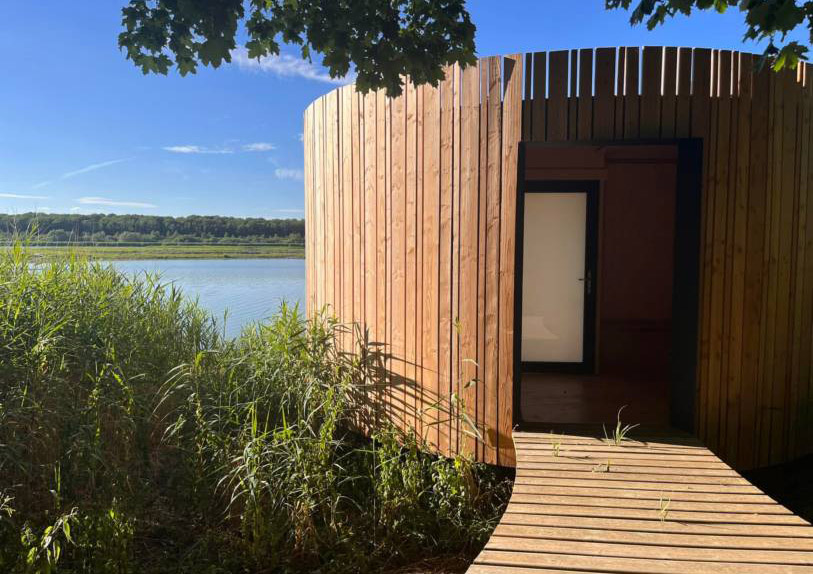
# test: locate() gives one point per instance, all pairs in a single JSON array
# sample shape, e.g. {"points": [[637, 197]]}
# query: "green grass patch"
{"points": [[134, 438], [115, 252]]}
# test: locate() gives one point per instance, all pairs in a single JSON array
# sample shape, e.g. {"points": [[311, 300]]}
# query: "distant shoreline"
{"points": [[180, 251]]}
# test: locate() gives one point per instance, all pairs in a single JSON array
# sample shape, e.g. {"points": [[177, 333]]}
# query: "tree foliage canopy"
{"points": [[101, 227], [382, 39], [770, 20]]}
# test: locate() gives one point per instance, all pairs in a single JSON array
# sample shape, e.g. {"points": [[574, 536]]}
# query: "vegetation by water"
{"points": [[113, 252], [133, 438], [136, 230]]}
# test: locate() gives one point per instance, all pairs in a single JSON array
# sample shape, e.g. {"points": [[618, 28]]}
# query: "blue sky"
{"points": [[82, 130]]}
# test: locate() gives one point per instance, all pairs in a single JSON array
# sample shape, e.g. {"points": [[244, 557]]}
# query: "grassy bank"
{"points": [[133, 438], [173, 251]]}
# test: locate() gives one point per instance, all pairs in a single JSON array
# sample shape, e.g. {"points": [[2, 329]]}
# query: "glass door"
{"points": [[558, 276]]}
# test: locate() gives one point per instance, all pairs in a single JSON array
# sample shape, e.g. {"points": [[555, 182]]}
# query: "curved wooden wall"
{"points": [[410, 207]]}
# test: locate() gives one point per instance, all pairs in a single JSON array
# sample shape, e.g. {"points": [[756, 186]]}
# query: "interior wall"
{"points": [[636, 264]]}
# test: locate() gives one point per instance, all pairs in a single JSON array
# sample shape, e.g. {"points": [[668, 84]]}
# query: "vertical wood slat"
{"points": [[798, 400], [492, 293], [456, 199], [604, 103], [369, 171], [620, 72], [380, 246], [669, 97], [650, 100], [337, 207], [431, 236], [398, 219], [768, 420], [356, 111], [806, 415], [707, 390], [370, 238], [385, 308], [469, 245], [313, 296], [330, 202], [324, 203], [632, 101], [511, 117], [346, 155], [738, 248], [484, 451], [539, 105], [410, 272], [804, 432], [319, 207], [763, 426], [527, 99], [719, 202], [787, 215], [585, 95], [684, 91], [306, 171], [420, 322], [573, 100], [755, 239], [445, 257], [729, 388], [699, 128], [557, 112]]}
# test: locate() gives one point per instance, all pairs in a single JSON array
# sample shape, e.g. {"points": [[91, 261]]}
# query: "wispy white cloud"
{"points": [[80, 171], [288, 173], [113, 203], [258, 146], [92, 167], [301, 136], [285, 66], [22, 196], [190, 149]]}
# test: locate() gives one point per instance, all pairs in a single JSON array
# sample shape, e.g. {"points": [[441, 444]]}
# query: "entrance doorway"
{"points": [[602, 232]]}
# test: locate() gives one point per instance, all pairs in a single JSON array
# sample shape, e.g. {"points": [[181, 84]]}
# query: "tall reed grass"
{"points": [[135, 438]]}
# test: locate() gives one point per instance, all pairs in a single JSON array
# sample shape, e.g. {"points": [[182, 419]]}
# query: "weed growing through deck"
{"points": [[663, 507], [620, 432], [556, 443], [134, 438]]}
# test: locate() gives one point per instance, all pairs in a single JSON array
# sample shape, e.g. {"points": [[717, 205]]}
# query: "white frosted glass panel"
{"points": [[553, 277]]}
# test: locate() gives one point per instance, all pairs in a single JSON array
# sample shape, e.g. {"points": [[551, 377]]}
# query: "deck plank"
{"points": [[667, 505]]}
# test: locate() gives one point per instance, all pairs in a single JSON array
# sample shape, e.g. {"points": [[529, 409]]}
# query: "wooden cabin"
{"points": [[577, 231]]}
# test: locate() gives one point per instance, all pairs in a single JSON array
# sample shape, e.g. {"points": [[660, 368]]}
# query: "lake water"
{"points": [[250, 289]]}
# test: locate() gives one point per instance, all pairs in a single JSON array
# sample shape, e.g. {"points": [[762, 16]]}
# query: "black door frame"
{"points": [[686, 272], [590, 277]]}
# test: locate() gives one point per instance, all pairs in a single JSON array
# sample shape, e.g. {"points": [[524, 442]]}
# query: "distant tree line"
{"points": [[102, 228]]}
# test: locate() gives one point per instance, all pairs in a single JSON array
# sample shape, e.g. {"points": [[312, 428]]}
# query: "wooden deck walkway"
{"points": [[665, 505]]}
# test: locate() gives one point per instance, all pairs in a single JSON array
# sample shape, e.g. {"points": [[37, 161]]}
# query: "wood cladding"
{"points": [[411, 212]]}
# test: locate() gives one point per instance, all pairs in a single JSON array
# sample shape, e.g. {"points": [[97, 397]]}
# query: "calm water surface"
{"points": [[250, 289]]}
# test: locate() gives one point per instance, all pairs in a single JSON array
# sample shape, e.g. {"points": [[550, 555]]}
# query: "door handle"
{"points": [[589, 282]]}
